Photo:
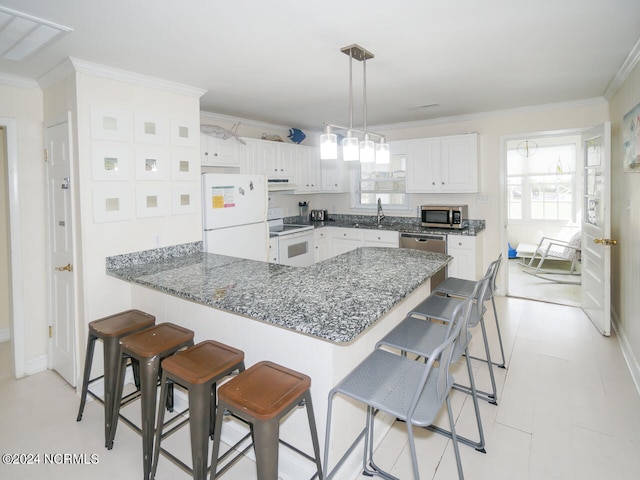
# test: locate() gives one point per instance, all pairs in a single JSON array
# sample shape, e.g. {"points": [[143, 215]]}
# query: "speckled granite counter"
{"points": [[396, 224], [334, 300]]}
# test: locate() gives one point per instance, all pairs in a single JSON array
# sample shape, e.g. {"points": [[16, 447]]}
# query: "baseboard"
{"points": [[627, 351], [35, 365], [5, 335]]}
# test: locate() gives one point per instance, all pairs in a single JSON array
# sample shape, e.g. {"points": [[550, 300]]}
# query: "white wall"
{"points": [[104, 295], [625, 215], [24, 104], [4, 242]]}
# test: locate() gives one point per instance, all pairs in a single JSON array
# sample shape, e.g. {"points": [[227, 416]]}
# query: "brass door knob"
{"points": [[605, 241], [68, 267]]}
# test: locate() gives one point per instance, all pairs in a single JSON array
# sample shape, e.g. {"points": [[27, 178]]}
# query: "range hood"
{"points": [[280, 185]]}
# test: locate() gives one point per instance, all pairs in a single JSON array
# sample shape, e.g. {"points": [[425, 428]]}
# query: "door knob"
{"points": [[605, 241], [68, 267]]}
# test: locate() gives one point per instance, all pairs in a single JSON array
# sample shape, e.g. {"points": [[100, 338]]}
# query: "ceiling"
{"points": [[280, 61]]}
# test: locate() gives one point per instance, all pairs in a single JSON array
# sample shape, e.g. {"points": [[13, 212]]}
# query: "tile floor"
{"points": [[523, 285], [568, 409]]}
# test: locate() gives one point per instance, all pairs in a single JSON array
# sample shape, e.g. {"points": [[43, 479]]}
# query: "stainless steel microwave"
{"points": [[444, 216]]}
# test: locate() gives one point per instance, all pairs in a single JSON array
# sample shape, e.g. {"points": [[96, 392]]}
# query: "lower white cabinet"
{"points": [[321, 244], [273, 250], [345, 239], [466, 253]]}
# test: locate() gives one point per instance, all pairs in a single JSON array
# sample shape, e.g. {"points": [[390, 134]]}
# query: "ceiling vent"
{"points": [[22, 35]]}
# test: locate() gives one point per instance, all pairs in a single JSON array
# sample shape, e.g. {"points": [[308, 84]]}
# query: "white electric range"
{"points": [[292, 244]]}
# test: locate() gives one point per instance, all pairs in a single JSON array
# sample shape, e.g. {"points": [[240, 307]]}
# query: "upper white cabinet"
{"points": [[307, 170], [216, 152], [334, 176], [443, 164]]}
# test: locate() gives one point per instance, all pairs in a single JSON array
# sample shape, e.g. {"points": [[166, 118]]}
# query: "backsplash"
{"points": [[146, 256]]}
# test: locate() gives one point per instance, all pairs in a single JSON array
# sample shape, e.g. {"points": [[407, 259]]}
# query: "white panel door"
{"points": [[62, 276], [596, 227]]}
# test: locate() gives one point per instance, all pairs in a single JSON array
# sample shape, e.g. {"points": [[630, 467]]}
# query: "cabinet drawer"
{"points": [[460, 241], [381, 237], [347, 234]]}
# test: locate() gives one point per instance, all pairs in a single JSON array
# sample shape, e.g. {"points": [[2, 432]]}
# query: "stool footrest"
{"points": [[234, 459]]}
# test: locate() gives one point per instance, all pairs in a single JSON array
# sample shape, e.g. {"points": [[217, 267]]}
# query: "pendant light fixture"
{"points": [[354, 149]]}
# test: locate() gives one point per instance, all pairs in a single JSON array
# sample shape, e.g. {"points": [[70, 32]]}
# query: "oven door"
{"points": [[296, 249]]}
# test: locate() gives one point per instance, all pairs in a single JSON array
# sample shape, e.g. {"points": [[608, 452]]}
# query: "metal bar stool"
{"points": [[110, 330], [459, 287], [197, 369], [149, 347], [261, 396]]}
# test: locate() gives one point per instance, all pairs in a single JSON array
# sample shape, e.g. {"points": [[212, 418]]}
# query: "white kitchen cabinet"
{"points": [[381, 238], [307, 170], [334, 176], [273, 250], [250, 161], [345, 239], [443, 164], [466, 253], [217, 152], [321, 244]]}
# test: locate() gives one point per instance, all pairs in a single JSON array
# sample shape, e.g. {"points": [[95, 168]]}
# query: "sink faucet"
{"points": [[380, 214]]}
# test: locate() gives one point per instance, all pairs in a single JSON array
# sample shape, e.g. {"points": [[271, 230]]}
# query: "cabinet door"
{"points": [[269, 155], [423, 166], [274, 256], [345, 239], [307, 170], [463, 251], [250, 161], [321, 244], [332, 174], [218, 152], [460, 163], [287, 161]]}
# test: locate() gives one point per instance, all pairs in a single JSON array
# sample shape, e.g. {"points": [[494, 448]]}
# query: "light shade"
{"points": [[350, 148], [328, 145], [367, 151], [383, 156]]}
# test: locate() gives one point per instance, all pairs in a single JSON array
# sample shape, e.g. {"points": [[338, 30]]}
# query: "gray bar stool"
{"points": [[197, 369], [261, 396], [149, 347], [110, 330]]}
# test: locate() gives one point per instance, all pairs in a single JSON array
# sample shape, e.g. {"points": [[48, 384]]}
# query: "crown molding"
{"points": [[623, 72], [71, 65], [15, 81], [496, 113], [63, 70]]}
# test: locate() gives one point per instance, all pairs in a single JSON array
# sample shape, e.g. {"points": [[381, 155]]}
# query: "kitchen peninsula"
{"points": [[321, 320]]}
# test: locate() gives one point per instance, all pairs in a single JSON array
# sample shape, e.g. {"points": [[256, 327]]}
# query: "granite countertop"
{"points": [[334, 300], [394, 224]]}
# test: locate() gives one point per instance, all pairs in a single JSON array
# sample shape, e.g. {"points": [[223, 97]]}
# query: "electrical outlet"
{"points": [[482, 198]]}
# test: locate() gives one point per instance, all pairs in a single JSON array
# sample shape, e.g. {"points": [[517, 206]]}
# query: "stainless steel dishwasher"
{"points": [[430, 243]]}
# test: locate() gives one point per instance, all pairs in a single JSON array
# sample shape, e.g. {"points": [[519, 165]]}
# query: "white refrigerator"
{"points": [[234, 215]]}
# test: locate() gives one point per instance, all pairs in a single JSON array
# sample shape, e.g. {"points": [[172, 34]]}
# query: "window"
{"points": [[387, 182], [542, 186]]}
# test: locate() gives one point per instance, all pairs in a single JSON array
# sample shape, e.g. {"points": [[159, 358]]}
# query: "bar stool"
{"points": [[261, 396], [110, 330], [197, 369], [149, 347]]}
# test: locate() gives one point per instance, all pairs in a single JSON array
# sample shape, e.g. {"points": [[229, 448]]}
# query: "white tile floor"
{"points": [[567, 410]]}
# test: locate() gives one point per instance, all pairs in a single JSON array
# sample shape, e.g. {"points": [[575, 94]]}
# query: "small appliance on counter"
{"points": [[319, 215], [444, 216]]}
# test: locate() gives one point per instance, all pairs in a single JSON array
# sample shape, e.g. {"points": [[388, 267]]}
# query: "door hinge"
{"points": [[46, 155], [50, 331]]}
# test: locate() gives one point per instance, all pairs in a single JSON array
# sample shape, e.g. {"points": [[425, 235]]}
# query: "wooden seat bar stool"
{"points": [[197, 369], [261, 396], [110, 330], [149, 347]]}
